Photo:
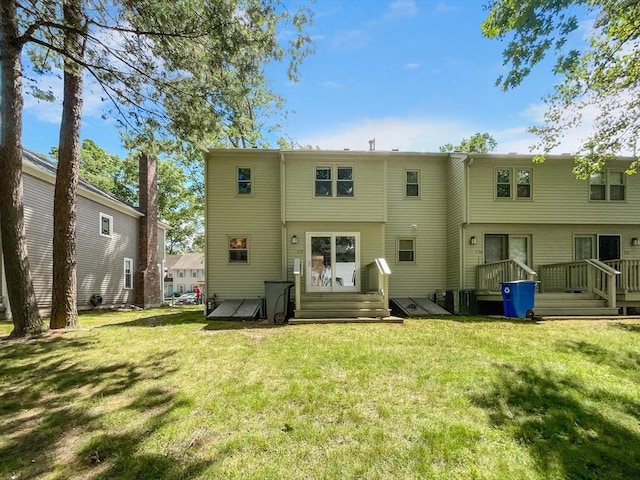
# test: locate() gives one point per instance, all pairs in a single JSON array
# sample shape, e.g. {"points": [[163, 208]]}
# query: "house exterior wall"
{"points": [[456, 198], [422, 218], [558, 196], [549, 243], [368, 203], [371, 243], [255, 217], [457, 201], [100, 260]]}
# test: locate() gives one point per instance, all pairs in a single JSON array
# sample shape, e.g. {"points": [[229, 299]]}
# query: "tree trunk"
{"points": [[64, 311], [21, 293]]}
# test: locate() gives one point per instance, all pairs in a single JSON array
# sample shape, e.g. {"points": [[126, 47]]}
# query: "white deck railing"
{"points": [[377, 276], [629, 279], [591, 276], [491, 275]]}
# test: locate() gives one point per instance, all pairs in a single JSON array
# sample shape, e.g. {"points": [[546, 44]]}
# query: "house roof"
{"points": [[186, 261], [45, 169]]}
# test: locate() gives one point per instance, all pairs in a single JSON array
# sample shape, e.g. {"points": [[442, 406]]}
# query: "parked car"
{"points": [[186, 299]]}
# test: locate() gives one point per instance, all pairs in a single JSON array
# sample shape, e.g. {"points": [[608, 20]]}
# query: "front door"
{"points": [[333, 262]]}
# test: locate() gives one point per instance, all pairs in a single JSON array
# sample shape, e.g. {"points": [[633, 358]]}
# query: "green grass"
{"points": [[163, 394]]}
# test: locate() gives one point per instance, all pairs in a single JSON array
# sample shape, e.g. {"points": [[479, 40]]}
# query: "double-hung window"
{"points": [[128, 273], [412, 183], [607, 185], [244, 181], [238, 250], [406, 250], [106, 225], [336, 180], [514, 183]]}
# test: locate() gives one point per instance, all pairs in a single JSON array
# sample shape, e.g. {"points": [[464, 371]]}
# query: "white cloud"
{"points": [[331, 84], [427, 134], [412, 65], [444, 7], [405, 134], [51, 112], [401, 9]]}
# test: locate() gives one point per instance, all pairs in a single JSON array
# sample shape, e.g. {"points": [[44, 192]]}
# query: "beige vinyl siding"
{"points": [[100, 260], [429, 215], [255, 216], [371, 242], [558, 197], [456, 197], [549, 243], [367, 204]]}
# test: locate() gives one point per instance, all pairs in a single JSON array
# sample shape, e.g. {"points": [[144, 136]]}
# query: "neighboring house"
{"points": [[183, 273], [332, 221], [111, 251]]}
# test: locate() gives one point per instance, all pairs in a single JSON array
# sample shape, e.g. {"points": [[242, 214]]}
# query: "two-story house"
{"points": [[119, 254], [183, 273], [411, 224]]}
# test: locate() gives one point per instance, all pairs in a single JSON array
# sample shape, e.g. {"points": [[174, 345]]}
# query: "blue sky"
{"points": [[413, 74]]}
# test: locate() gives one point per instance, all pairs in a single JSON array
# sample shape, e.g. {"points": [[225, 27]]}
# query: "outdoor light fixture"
{"points": [[473, 241], [635, 241], [294, 240]]}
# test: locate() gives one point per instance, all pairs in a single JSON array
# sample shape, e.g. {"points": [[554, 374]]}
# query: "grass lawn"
{"points": [[163, 394]]}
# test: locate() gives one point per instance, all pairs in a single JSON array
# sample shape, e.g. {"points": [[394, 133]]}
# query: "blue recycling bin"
{"points": [[518, 298]]}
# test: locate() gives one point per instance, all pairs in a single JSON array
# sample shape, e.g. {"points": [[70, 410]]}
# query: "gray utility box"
{"points": [[276, 295]]}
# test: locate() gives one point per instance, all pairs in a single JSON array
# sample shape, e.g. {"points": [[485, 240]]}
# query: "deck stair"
{"points": [[335, 306], [570, 303]]}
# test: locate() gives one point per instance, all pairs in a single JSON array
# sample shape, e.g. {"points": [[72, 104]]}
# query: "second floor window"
{"points": [[412, 183], [244, 181], [329, 180], [513, 183], [607, 185], [106, 225]]}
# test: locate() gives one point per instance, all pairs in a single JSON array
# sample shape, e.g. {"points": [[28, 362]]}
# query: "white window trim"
{"points": [[125, 274], [102, 216]]}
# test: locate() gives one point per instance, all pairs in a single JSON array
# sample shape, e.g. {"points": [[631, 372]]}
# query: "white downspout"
{"points": [[283, 216], [468, 161]]}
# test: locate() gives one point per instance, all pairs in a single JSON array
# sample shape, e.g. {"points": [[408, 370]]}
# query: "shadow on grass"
{"points": [[170, 317], [557, 420], [488, 319], [625, 360], [55, 413], [628, 327], [240, 324]]}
